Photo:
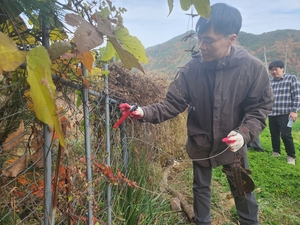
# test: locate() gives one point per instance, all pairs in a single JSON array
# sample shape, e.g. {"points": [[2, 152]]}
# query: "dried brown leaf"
{"points": [[104, 26], [17, 167], [14, 138], [86, 36]]}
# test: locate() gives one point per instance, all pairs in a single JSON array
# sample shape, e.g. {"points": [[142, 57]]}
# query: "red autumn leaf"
{"points": [[109, 174], [37, 190], [64, 120], [23, 180], [18, 193], [134, 184], [61, 185], [119, 177], [83, 160], [78, 72], [100, 166]]}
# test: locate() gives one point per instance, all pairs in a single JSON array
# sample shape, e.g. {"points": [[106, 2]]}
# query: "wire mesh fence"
{"points": [[23, 179], [41, 184]]}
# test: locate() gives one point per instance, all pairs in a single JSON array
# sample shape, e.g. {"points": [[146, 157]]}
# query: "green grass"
{"points": [[277, 183], [145, 205], [277, 190]]}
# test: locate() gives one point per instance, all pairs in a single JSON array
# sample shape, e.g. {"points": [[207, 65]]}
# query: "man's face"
{"points": [[277, 72], [214, 46]]}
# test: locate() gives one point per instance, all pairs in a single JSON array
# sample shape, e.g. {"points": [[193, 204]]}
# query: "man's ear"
{"points": [[232, 39]]}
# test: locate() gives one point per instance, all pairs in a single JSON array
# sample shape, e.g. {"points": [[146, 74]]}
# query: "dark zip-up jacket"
{"points": [[233, 93]]}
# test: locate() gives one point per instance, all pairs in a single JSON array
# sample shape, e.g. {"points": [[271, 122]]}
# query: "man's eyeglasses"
{"points": [[274, 69], [207, 42]]}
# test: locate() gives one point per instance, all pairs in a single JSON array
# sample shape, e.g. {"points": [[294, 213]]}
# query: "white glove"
{"points": [[137, 114], [236, 139]]}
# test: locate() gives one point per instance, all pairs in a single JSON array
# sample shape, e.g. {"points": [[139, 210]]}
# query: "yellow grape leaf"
{"points": [[171, 5], [202, 7], [109, 52], [10, 56], [17, 26], [96, 72], [42, 89], [132, 44], [14, 138], [87, 59], [58, 34], [127, 58], [186, 4], [58, 48]]}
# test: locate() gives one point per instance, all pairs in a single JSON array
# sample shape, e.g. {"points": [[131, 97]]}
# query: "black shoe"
{"points": [[259, 149]]}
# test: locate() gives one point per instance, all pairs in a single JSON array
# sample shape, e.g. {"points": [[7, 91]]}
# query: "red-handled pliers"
{"points": [[227, 141], [126, 113]]}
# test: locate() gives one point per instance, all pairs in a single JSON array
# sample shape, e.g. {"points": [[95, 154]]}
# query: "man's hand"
{"points": [[136, 114], [293, 115], [235, 141]]}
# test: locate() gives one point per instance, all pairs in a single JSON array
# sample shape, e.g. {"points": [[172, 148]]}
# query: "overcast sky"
{"points": [[148, 20]]}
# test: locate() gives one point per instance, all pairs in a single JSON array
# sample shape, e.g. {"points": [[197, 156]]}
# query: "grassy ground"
{"points": [[277, 183], [277, 190]]}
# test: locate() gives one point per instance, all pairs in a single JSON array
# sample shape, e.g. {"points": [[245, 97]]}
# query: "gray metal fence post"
{"points": [[87, 148], [47, 139], [107, 128], [47, 176], [124, 148]]}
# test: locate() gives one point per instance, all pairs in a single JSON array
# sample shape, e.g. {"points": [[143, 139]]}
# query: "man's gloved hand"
{"points": [[235, 141], [136, 114]]}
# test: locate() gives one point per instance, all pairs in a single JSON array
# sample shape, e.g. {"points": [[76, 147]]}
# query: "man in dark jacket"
{"points": [[228, 94]]}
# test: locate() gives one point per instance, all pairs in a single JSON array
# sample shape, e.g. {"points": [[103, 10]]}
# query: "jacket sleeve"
{"points": [[257, 104], [175, 102]]}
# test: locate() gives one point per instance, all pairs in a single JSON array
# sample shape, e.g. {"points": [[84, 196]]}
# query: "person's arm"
{"points": [[258, 104], [176, 102], [295, 96]]}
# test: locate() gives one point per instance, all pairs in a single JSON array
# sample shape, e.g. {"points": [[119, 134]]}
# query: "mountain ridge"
{"points": [[166, 58]]}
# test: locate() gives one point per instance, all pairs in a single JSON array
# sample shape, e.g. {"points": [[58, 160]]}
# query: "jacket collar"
{"points": [[231, 60]]}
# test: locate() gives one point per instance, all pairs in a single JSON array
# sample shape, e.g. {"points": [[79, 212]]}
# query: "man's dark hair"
{"points": [[224, 19], [276, 64]]}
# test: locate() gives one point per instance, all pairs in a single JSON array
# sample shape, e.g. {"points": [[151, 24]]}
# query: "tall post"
{"points": [[124, 148], [285, 60], [47, 138], [87, 148], [265, 56], [107, 128]]}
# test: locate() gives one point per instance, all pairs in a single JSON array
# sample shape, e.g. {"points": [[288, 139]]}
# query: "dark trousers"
{"points": [[247, 207], [278, 128], [255, 144]]}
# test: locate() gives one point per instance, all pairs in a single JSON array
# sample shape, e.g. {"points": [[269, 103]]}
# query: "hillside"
{"points": [[167, 57]]}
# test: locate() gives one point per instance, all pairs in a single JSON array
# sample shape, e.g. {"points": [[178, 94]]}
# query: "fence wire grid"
{"points": [[22, 178]]}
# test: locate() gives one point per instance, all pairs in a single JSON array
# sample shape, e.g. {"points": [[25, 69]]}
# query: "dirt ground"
{"points": [[222, 202]]}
